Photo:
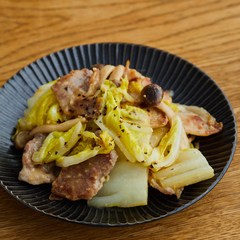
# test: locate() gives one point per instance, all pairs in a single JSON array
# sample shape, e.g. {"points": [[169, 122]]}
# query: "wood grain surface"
{"points": [[206, 32]]}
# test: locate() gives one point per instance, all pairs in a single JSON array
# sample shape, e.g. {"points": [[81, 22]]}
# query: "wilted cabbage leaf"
{"points": [[190, 167], [127, 125], [43, 108], [169, 147], [127, 186], [73, 146], [58, 144], [87, 147]]}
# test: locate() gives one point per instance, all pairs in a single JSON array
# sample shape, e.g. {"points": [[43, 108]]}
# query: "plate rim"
{"points": [[184, 206]]}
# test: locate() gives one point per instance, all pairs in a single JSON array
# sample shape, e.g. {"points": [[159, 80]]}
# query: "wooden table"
{"points": [[207, 33]]}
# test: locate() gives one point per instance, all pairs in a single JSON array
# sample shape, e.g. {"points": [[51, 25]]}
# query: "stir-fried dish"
{"points": [[107, 134]]}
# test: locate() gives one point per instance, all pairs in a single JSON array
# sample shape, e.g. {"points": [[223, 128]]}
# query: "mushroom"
{"points": [[21, 139], [117, 74], [98, 66], [152, 95], [24, 136], [105, 72]]}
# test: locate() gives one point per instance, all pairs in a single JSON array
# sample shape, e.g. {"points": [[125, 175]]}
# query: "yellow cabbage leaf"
{"points": [[58, 144], [88, 146], [127, 125], [43, 108], [169, 147]]}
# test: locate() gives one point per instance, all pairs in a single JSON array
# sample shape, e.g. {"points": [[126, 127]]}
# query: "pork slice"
{"points": [[84, 180], [157, 117], [86, 107], [197, 121], [75, 93], [35, 174]]}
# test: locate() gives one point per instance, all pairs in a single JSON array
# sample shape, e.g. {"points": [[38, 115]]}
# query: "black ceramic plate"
{"points": [[190, 85]]}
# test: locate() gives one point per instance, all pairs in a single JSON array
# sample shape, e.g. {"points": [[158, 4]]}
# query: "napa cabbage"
{"points": [[73, 146], [168, 149], [87, 147], [127, 125], [172, 105], [58, 144], [127, 185], [190, 167], [43, 108]]}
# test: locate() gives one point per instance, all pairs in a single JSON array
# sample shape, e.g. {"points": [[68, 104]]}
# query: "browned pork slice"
{"points": [[86, 107], [35, 174], [84, 180], [157, 117], [197, 121], [75, 91]]}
